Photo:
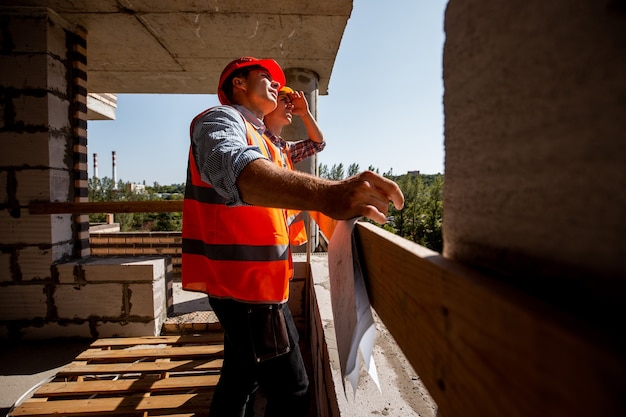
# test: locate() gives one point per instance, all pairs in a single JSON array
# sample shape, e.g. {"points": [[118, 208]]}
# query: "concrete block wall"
{"points": [[90, 297], [43, 61], [36, 137]]}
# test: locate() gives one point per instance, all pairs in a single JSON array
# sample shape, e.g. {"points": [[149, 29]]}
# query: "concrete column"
{"points": [[301, 79], [35, 143], [307, 81], [535, 149], [40, 138]]}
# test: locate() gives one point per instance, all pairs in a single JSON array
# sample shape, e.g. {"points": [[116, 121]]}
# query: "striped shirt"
{"points": [[221, 150]]}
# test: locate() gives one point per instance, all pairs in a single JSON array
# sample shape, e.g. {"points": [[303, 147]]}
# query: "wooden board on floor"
{"points": [[137, 376]]}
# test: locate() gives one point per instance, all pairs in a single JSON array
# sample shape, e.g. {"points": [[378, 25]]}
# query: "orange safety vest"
{"points": [[239, 252]]}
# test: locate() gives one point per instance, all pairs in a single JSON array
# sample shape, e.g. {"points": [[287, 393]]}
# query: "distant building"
{"points": [[137, 188]]}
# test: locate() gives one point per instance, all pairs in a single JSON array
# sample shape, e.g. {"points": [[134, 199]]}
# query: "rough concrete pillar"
{"points": [[42, 147], [307, 81], [535, 147], [301, 79]]}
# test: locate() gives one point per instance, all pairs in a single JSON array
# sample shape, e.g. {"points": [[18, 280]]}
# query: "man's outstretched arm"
{"points": [[366, 194]]}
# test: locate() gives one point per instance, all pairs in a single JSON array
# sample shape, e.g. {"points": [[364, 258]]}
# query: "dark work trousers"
{"points": [[282, 379]]}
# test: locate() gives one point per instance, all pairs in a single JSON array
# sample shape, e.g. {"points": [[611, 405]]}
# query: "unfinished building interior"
{"points": [[522, 312]]}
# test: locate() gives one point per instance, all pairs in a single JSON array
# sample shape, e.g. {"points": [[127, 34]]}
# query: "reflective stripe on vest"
{"points": [[234, 252]]}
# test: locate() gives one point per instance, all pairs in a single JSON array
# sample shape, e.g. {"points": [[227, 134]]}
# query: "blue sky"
{"points": [[384, 106]]}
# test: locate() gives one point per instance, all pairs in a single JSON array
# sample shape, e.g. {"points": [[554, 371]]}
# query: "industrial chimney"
{"points": [[114, 171], [95, 165]]}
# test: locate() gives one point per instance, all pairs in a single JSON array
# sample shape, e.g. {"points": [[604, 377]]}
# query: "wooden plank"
{"points": [[168, 413], [151, 353], [157, 340], [482, 348], [204, 413], [160, 206], [153, 384], [121, 386], [127, 405], [155, 413], [78, 368]]}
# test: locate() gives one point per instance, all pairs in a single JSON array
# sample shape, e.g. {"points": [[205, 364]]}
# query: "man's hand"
{"points": [[300, 105], [365, 194]]}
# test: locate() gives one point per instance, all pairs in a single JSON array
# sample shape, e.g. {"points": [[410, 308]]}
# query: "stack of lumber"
{"points": [[138, 376]]}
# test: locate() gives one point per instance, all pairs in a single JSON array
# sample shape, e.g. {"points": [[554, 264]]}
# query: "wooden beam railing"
{"points": [[158, 206], [482, 348]]}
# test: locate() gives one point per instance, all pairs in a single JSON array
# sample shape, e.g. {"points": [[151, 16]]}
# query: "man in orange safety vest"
{"points": [[236, 245]]}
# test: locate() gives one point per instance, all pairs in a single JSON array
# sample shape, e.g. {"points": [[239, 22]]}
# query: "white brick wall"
{"points": [[42, 184], [32, 184], [34, 263], [49, 111], [23, 302], [62, 250], [57, 147], [58, 109], [116, 296], [56, 41], [32, 110], [66, 272], [119, 293], [18, 149], [61, 228], [56, 83], [5, 267], [113, 269], [60, 184], [147, 299], [34, 229], [24, 70], [100, 300]]}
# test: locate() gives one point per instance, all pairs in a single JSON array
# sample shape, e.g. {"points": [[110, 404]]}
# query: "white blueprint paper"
{"points": [[354, 323]]}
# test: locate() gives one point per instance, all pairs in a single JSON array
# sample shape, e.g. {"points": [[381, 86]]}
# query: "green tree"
{"points": [[353, 169], [421, 219], [337, 172], [104, 189], [169, 222], [323, 171], [373, 169]]}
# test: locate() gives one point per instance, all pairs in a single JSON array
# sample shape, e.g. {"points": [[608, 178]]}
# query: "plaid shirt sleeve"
{"points": [[304, 148]]}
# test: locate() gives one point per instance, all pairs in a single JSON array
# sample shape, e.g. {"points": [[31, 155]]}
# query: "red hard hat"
{"points": [[269, 64]]}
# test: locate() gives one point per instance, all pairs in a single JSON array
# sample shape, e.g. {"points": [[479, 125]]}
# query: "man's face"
{"points": [[282, 115], [284, 107], [262, 90]]}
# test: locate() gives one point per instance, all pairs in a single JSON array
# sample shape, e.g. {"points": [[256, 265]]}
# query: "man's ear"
{"points": [[239, 82]]}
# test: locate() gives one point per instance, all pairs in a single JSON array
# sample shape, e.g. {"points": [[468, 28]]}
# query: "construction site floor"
{"points": [[133, 376], [26, 365]]}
